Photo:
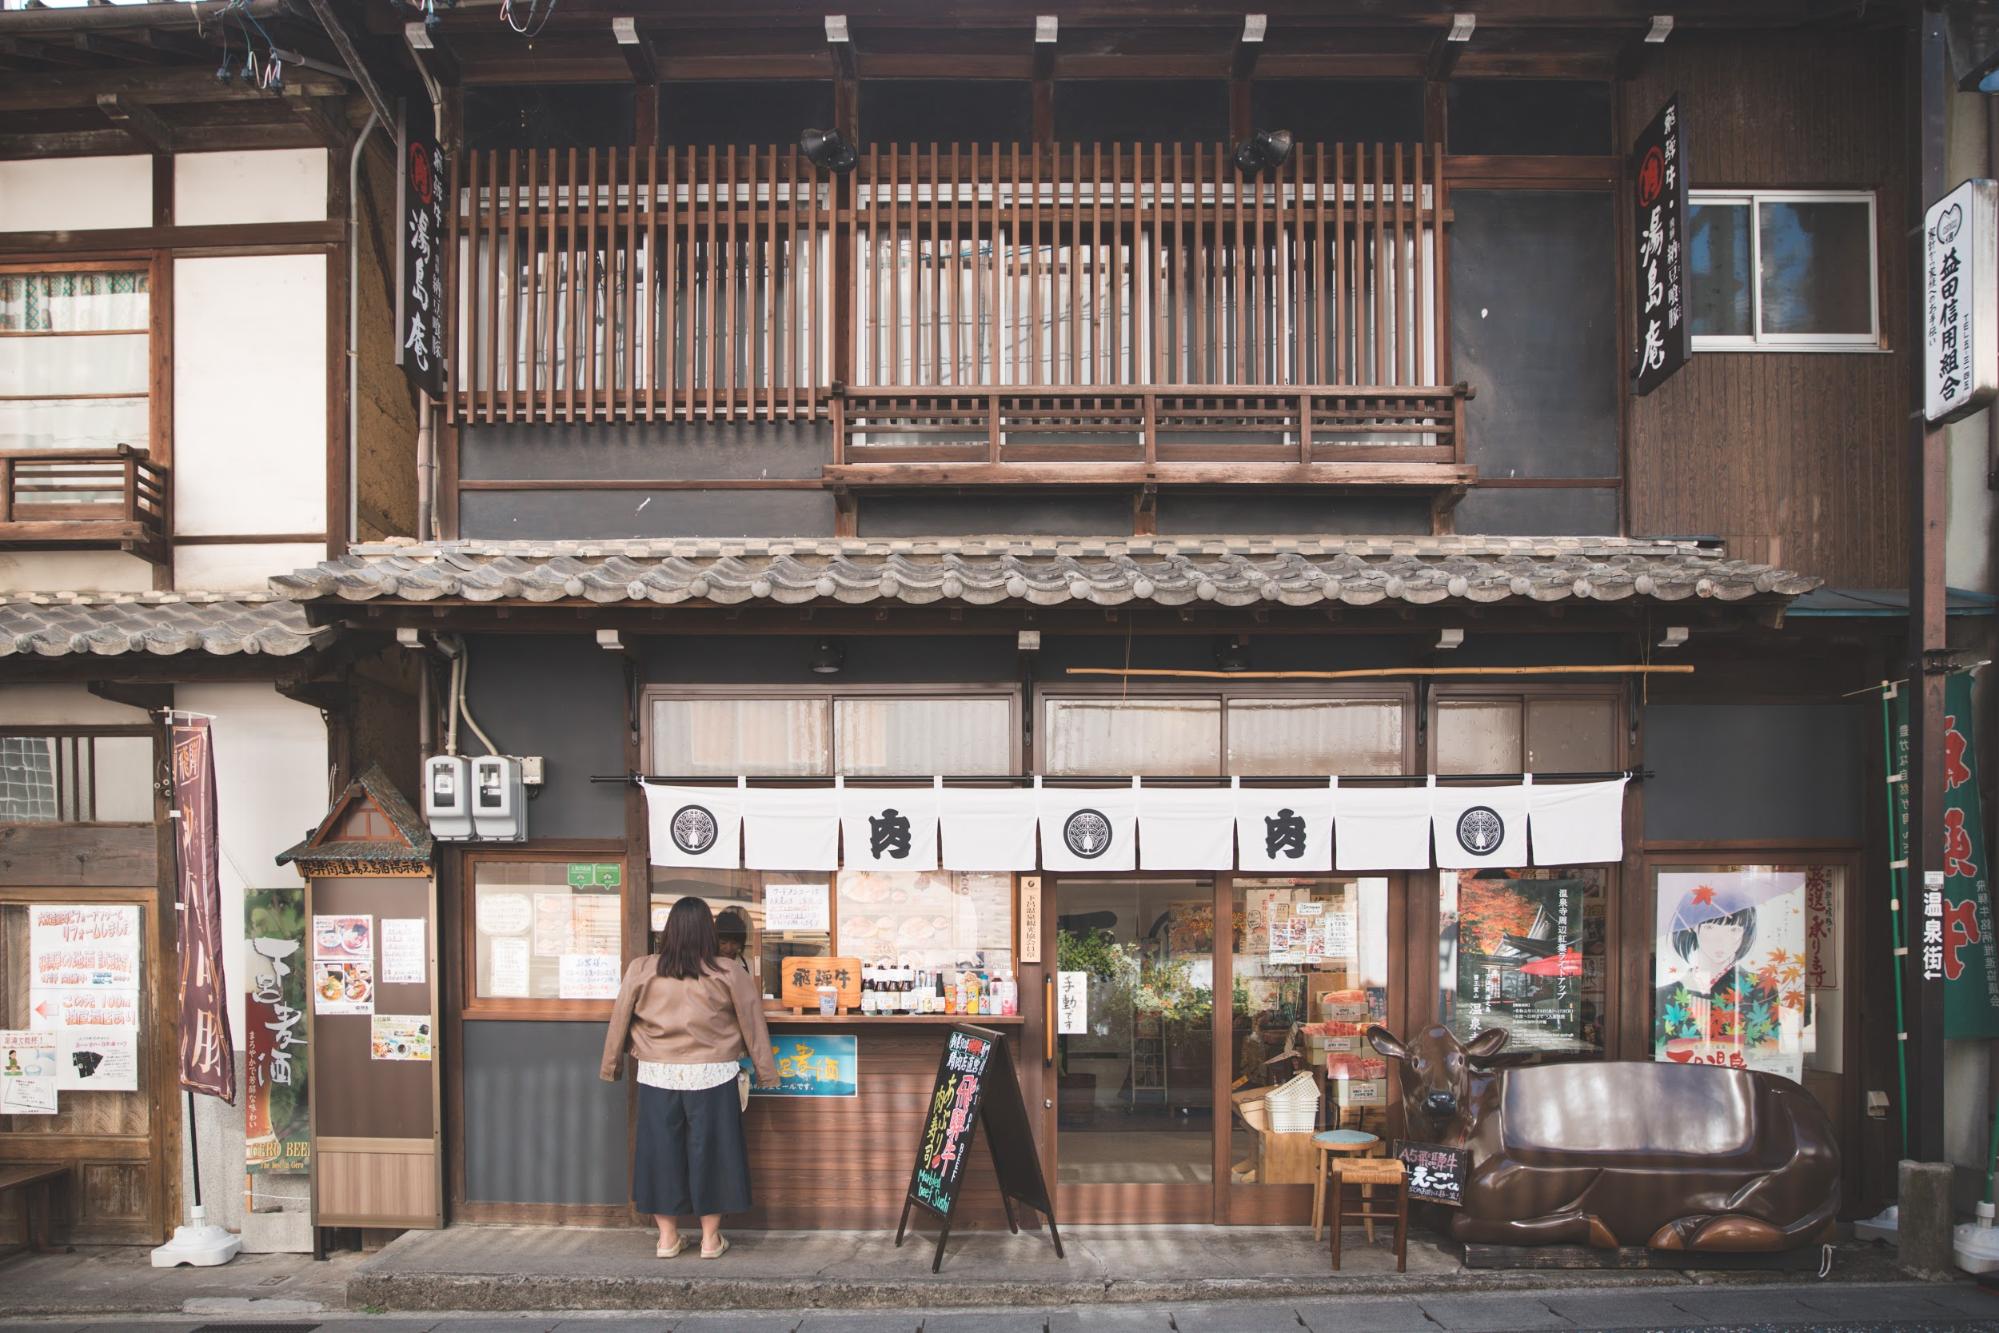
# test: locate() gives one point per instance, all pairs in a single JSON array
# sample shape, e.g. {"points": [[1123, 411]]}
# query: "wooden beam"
{"points": [[151, 696], [641, 59], [79, 89], [1443, 57], [1248, 47], [141, 122], [221, 236], [111, 48], [43, 52], [326, 117], [1413, 476]]}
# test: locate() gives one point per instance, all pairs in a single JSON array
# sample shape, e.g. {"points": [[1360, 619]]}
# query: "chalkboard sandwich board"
{"points": [[976, 1084], [1436, 1173]]}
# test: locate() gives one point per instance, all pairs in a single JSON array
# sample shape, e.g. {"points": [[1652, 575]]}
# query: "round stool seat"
{"points": [[1345, 1138]]}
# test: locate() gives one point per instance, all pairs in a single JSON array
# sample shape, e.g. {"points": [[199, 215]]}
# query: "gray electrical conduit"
{"points": [[354, 328]]}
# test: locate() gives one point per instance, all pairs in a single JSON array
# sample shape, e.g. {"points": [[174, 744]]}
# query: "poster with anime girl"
{"points": [[1730, 976]]}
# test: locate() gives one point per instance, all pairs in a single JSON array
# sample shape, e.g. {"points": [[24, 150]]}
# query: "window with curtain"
{"points": [[1511, 733], [74, 346], [813, 735], [76, 779]]}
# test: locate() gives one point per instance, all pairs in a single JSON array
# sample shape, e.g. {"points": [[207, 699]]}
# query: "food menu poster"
{"points": [[399, 1037], [933, 919], [550, 943]]}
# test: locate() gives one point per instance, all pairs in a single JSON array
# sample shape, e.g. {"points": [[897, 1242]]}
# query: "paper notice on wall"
{"points": [[552, 925], [97, 1060], [507, 969], [343, 937], [27, 1073], [89, 946], [504, 913], [404, 951], [1072, 1003], [593, 924], [399, 1037], [49, 1010], [343, 987], [587, 976], [796, 907]]}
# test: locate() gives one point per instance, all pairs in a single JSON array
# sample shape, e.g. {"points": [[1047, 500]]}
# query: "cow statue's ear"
{"points": [[1487, 1043], [1386, 1043]]}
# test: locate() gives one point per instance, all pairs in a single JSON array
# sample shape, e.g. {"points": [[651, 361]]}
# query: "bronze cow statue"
{"points": [[1677, 1157]]}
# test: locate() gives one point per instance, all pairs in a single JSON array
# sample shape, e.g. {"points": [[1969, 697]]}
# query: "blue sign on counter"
{"points": [[813, 1065]]}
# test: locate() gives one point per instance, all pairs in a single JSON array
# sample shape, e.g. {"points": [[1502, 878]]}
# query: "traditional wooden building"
{"points": [[1147, 390]]}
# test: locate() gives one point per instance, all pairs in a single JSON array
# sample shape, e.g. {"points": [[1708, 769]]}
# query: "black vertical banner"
{"points": [[1659, 184], [422, 185]]}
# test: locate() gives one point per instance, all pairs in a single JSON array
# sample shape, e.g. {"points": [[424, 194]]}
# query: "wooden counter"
{"points": [[784, 1016]]}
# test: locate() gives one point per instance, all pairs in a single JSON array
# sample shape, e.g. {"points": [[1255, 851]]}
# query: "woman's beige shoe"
{"points": [[718, 1251], [669, 1251]]}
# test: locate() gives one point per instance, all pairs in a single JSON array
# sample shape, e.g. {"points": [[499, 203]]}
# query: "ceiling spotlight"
{"points": [[828, 150], [609, 641], [1265, 150], [828, 657], [1451, 638], [1676, 635], [1231, 653]]}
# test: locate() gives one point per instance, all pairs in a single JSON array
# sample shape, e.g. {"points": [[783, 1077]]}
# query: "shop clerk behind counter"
{"points": [[686, 1014]]}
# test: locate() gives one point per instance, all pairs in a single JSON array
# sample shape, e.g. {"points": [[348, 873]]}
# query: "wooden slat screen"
{"points": [[699, 283]]}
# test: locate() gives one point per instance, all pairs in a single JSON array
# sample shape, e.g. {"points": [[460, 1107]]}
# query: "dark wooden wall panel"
{"points": [[1794, 458], [95, 856]]}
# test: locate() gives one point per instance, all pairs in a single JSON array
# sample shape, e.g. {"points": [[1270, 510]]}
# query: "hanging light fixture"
{"points": [[1231, 653], [1265, 150], [828, 150], [828, 657]]}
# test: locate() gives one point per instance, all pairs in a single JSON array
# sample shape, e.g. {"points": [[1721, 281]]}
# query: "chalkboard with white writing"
{"points": [[976, 1084]]}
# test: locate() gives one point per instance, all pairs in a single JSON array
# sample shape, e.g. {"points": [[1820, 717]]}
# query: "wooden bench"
{"points": [[36, 1181]]}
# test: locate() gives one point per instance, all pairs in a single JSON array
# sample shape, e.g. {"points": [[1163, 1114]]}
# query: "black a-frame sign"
{"points": [[976, 1083]]}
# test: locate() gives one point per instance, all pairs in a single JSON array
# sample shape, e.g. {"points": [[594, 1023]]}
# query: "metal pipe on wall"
{"points": [[354, 328]]}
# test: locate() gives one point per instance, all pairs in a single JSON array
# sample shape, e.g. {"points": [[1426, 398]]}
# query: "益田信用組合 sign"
{"points": [[1960, 304]]}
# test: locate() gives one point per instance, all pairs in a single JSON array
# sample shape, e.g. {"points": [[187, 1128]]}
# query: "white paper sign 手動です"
{"points": [[1072, 1003], [802, 907]]}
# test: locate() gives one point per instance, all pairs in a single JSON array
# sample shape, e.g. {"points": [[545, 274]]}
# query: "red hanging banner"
{"points": [[207, 1055]]}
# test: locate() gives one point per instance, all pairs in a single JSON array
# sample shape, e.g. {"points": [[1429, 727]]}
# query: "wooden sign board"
{"points": [[802, 977], [976, 1083], [1436, 1172]]}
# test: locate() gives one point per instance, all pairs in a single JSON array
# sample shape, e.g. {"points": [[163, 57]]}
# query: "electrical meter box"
{"points": [[499, 804], [447, 796]]}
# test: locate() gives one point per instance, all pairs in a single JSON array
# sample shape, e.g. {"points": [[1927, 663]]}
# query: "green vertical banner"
{"points": [[1953, 928]]}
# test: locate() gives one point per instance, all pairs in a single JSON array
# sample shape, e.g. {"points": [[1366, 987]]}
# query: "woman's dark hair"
{"points": [[730, 923], [687, 945], [1686, 939]]}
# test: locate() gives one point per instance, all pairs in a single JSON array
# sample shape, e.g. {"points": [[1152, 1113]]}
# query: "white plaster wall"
{"points": [[62, 705], [240, 568], [250, 395], [266, 185], [76, 193], [74, 571], [270, 791]]}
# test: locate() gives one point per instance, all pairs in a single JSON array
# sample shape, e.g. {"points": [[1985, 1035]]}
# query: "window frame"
{"points": [[832, 694], [473, 1006], [1224, 694], [91, 733], [159, 376], [1874, 340], [1520, 696]]}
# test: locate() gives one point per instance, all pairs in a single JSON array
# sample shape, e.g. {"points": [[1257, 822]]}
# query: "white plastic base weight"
{"points": [[198, 1244], [1975, 1245]]}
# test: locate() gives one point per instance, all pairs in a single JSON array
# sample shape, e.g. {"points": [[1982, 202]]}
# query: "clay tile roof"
{"points": [[109, 624], [1043, 571]]}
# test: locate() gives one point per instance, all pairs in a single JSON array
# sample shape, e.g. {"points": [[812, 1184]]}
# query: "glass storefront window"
{"points": [[1310, 972], [855, 735], [1747, 966], [1526, 734], [543, 929], [1135, 1087], [727, 737], [1524, 950], [1277, 736], [736, 898], [1124, 736], [898, 736]]}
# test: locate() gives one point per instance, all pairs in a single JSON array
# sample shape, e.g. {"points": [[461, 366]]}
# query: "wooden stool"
{"points": [[1333, 1143], [1384, 1172]]}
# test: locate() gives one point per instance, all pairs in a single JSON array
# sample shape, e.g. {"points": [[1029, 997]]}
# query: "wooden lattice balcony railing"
{"points": [[992, 303], [81, 498]]}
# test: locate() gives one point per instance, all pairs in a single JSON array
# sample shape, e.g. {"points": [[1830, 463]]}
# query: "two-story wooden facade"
{"points": [[1081, 427]]}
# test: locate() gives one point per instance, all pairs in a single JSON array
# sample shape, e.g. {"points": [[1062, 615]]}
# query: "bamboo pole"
{"points": [[1157, 672]]}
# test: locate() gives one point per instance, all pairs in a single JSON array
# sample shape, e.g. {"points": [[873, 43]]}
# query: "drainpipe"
{"points": [[354, 328]]}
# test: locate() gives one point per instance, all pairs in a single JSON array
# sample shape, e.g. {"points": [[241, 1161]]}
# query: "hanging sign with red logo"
{"points": [[421, 189], [1953, 918], [1659, 176]]}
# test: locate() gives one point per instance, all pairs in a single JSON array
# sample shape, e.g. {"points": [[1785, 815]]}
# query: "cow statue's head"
{"points": [[1437, 1077]]}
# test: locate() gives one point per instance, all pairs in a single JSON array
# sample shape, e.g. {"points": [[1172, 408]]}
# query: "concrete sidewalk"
{"points": [[1112, 1271]]}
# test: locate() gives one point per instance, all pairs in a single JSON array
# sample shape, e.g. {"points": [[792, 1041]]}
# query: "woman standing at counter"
{"points": [[688, 1015]]}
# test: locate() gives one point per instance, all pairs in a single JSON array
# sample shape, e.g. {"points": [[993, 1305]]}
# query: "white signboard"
{"points": [[404, 950], [1072, 1003], [1960, 305], [27, 1073], [83, 947], [796, 907], [97, 1060], [587, 976]]}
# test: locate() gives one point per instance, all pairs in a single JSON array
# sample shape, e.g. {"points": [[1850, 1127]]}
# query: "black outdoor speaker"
{"points": [[1263, 151], [828, 150]]}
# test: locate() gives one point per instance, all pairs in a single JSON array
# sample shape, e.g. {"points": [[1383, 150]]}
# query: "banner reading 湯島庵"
{"points": [[1953, 927], [207, 1055]]}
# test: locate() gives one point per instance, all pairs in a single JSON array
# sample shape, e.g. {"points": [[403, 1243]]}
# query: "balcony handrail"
{"points": [[84, 497]]}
